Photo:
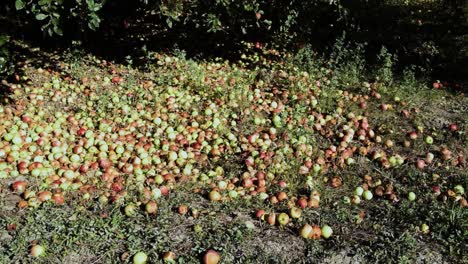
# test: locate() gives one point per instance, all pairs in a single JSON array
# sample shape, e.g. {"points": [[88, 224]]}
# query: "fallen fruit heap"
{"points": [[115, 139]]}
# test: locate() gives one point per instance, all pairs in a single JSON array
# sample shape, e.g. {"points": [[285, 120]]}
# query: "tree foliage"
{"points": [[425, 32]]}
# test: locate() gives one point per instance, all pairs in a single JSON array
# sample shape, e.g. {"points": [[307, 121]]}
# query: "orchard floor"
{"points": [[87, 145]]}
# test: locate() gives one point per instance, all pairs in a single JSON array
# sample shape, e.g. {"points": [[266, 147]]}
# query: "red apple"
{"points": [[211, 257], [19, 186], [151, 207], [183, 209], [453, 127]]}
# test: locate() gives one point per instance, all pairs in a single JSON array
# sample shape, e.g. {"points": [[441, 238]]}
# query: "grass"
{"points": [[380, 230]]}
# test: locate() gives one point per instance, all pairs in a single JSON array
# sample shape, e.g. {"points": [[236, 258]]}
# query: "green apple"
{"points": [[358, 191], [306, 231], [429, 140], [130, 210], [295, 212], [459, 189], [283, 219], [367, 195], [327, 231], [140, 258], [411, 196], [424, 228]]}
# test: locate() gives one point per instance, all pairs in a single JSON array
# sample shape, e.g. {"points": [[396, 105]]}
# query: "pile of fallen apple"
{"points": [[112, 139]]}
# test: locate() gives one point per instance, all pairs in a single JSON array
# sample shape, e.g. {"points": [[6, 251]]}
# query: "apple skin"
{"points": [[306, 231], [182, 209], [424, 228], [316, 232], [429, 140], [271, 219], [283, 219], [358, 191], [327, 231], [37, 251], [169, 257], [302, 203], [19, 186], [130, 210], [215, 196], [367, 195], [211, 257], [459, 189], [140, 258], [295, 212], [151, 207], [260, 214]]}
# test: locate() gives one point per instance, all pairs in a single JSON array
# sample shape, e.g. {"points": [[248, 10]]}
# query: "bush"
{"points": [[6, 66], [426, 33]]}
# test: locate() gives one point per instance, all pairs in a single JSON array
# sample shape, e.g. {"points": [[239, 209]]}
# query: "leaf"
{"points": [[3, 40], [41, 16], [169, 22], [58, 31], [19, 4]]}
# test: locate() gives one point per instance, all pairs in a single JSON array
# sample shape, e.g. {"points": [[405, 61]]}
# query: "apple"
{"points": [[37, 251], [327, 231], [282, 196], [411, 196], [413, 135], [169, 257], [295, 212], [140, 258], [346, 200], [367, 195], [424, 228], [211, 257], [183, 209], [130, 210], [215, 196], [151, 207], [302, 202], [260, 214], [453, 127], [316, 232], [355, 199], [429, 140], [306, 231], [313, 203], [19, 186], [271, 219], [58, 198], [459, 189], [283, 219], [420, 164], [358, 191]]}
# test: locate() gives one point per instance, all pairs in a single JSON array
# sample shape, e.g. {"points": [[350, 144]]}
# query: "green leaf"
{"points": [[3, 40], [169, 22], [19, 4], [41, 16], [58, 31]]}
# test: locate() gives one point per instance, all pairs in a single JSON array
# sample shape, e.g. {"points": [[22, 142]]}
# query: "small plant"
{"points": [[386, 63]]}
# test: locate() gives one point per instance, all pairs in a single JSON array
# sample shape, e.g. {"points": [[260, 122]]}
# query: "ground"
{"points": [[95, 142]]}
